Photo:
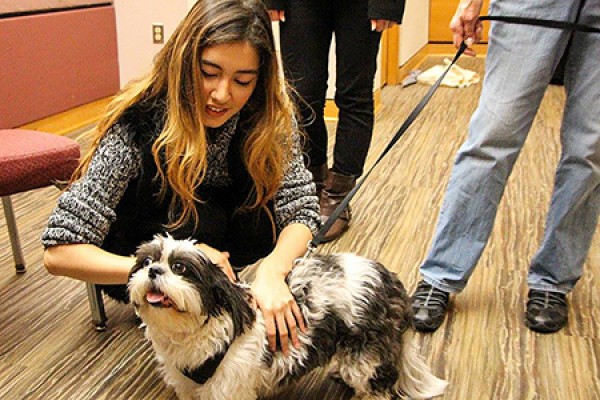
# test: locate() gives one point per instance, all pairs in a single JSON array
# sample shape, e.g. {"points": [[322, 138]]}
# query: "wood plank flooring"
{"points": [[49, 350]]}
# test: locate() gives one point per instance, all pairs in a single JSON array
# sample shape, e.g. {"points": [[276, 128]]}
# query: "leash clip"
{"points": [[310, 249]]}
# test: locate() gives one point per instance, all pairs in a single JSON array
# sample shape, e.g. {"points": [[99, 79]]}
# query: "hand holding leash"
{"points": [[277, 15], [466, 26]]}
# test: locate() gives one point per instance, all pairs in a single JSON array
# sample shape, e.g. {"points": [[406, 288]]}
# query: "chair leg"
{"points": [[96, 307], [13, 233], [94, 294]]}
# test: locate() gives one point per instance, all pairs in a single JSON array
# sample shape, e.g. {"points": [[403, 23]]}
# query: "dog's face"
{"points": [[172, 279], [175, 287]]}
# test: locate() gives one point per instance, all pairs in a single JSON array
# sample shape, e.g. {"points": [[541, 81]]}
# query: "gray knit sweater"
{"points": [[85, 211]]}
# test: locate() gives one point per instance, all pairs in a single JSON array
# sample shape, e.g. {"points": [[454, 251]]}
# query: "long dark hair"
{"points": [[176, 76]]}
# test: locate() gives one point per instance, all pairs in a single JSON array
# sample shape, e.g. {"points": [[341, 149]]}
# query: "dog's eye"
{"points": [[178, 268], [147, 261]]}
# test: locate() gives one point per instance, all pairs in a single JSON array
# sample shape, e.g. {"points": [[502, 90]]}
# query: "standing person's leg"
{"points": [[356, 64], [520, 63], [575, 204], [306, 37]]}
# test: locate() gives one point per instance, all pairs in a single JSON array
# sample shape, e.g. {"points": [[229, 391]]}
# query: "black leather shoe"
{"points": [[429, 307], [547, 312]]}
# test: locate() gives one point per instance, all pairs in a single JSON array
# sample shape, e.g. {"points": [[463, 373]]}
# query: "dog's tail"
{"points": [[416, 380]]}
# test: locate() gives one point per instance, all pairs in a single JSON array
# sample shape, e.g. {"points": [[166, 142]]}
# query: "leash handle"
{"points": [[312, 245]]}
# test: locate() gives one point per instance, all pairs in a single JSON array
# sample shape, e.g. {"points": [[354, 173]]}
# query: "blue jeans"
{"points": [[519, 65]]}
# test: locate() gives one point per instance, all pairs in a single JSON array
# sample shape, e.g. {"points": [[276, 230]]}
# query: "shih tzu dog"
{"points": [[211, 343]]}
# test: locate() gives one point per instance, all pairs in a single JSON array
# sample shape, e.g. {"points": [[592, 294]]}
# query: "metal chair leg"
{"points": [[96, 307], [94, 294], [13, 233]]}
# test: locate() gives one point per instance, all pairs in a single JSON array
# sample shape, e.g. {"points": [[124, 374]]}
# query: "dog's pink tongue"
{"points": [[155, 298]]}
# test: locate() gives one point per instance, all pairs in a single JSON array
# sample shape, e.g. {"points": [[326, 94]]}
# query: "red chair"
{"points": [[31, 160]]}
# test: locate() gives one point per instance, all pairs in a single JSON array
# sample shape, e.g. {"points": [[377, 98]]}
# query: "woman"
{"points": [[203, 147]]}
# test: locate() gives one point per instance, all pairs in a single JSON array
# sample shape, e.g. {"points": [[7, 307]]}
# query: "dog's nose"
{"points": [[155, 271]]}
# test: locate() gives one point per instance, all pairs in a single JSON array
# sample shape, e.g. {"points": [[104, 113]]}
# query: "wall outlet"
{"points": [[158, 33]]}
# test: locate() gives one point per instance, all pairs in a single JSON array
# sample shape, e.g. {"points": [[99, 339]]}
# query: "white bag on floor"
{"points": [[457, 77]]}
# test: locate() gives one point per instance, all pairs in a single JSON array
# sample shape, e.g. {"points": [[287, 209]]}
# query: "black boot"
{"points": [[336, 188]]}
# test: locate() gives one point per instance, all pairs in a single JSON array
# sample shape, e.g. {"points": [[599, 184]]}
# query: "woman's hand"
{"points": [[277, 15], [220, 258], [280, 311], [381, 25]]}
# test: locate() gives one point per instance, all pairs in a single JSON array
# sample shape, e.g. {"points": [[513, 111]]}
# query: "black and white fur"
{"points": [[355, 310]]}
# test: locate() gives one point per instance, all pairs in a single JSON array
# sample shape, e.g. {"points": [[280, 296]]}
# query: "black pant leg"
{"points": [[356, 63], [306, 37]]}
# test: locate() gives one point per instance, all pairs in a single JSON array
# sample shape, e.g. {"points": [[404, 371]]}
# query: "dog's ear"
{"points": [[232, 299], [219, 294]]}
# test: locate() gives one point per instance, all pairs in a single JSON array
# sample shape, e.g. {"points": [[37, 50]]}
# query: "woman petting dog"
{"points": [[205, 147]]}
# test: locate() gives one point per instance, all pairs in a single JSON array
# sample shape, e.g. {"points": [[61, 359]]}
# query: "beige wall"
{"points": [[441, 14], [134, 32], [136, 50], [414, 32]]}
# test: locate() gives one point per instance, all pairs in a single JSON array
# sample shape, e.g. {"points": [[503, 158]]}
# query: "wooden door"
{"points": [[440, 14]]}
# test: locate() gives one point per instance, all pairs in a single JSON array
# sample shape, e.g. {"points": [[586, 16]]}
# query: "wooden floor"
{"points": [[49, 350]]}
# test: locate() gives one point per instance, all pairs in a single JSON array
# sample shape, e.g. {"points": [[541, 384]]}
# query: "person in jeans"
{"points": [[520, 63], [306, 29]]}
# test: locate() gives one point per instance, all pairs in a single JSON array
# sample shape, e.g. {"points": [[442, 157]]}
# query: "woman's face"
{"points": [[229, 75]]}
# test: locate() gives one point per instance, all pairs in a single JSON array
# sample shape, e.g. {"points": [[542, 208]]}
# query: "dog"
{"points": [[211, 342]]}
